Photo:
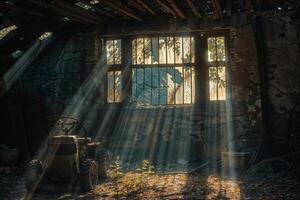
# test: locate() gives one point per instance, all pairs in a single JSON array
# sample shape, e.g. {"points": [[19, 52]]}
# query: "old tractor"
{"points": [[69, 157]]}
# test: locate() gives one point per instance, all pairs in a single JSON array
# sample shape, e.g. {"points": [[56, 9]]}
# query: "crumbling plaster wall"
{"points": [[281, 33]]}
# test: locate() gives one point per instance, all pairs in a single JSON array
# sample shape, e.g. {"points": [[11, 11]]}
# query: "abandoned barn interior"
{"points": [[150, 99]]}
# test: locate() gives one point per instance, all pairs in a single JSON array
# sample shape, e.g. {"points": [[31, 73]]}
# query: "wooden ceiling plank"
{"points": [[166, 7], [79, 11], [217, 9], [121, 8], [60, 11], [137, 6], [100, 11], [176, 9], [143, 4], [194, 9]]}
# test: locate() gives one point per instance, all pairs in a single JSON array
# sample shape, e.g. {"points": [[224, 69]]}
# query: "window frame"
{"points": [[225, 63], [168, 65], [112, 68], [200, 64]]}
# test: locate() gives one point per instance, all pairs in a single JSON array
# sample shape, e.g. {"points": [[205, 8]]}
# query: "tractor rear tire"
{"points": [[104, 161], [88, 175], [33, 175]]}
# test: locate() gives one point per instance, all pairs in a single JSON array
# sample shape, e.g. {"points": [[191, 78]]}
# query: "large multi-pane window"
{"points": [[163, 70], [113, 59], [216, 63]]}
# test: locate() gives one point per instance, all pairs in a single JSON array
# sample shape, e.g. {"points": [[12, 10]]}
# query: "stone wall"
{"points": [[281, 33], [68, 78], [30, 108]]}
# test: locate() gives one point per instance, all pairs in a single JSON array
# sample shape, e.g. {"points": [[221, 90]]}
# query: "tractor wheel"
{"points": [[104, 160], [88, 175], [33, 174]]}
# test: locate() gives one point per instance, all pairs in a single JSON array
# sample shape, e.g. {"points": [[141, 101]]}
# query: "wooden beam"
{"points": [[194, 9], [176, 9], [146, 7], [117, 5], [166, 7], [62, 12], [100, 11], [217, 9], [137, 6], [228, 7], [77, 10]]}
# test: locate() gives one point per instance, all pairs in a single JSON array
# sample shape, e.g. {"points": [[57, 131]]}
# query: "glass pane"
{"points": [[213, 83], [140, 85], [221, 49], [162, 50], [134, 52], [140, 51], [170, 50], [155, 50], [117, 46], [163, 85], [110, 52], [147, 92], [171, 85], [134, 95], [192, 50], [155, 86], [118, 87], [179, 85], [221, 83], [178, 50], [186, 49], [187, 85], [147, 50], [110, 87], [193, 85], [211, 45]]}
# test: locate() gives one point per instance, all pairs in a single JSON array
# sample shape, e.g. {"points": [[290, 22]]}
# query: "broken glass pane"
{"points": [[211, 45], [118, 87], [110, 52], [217, 83], [178, 50], [170, 50], [179, 85], [155, 85], [140, 85], [192, 50], [186, 49], [134, 95], [134, 52], [155, 50], [147, 50], [117, 51], [187, 85], [148, 86], [163, 85], [110, 87], [171, 85], [220, 49], [162, 50], [140, 50]]}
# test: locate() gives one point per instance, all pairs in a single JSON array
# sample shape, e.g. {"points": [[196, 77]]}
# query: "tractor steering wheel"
{"points": [[67, 127]]}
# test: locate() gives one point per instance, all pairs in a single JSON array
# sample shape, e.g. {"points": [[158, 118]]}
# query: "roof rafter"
{"points": [[165, 6], [143, 4], [176, 9], [117, 5], [194, 9], [217, 9]]}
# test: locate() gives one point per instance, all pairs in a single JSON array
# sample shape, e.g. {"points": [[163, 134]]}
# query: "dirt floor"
{"points": [[283, 185]]}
